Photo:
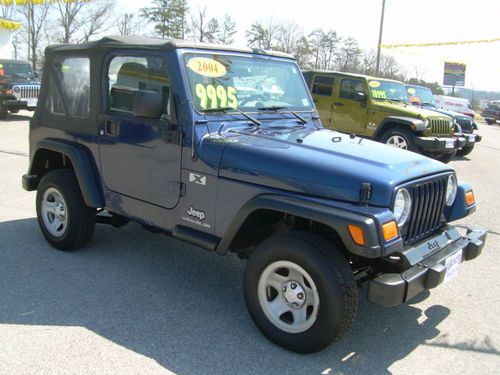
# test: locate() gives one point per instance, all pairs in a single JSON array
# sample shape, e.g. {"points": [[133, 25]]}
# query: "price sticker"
{"points": [[379, 94], [206, 67], [374, 84], [210, 96]]}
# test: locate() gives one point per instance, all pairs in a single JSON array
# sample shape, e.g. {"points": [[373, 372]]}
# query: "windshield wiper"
{"points": [[227, 109], [278, 108]]}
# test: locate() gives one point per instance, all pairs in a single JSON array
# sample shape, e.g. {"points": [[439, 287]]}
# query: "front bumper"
{"points": [[440, 145], [427, 266], [20, 103], [470, 138]]}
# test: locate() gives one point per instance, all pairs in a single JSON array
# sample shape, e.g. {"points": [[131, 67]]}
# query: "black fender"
{"points": [[414, 124], [86, 172], [334, 217]]}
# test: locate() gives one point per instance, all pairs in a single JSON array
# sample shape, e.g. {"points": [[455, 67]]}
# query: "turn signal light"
{"points": [[10, 92], [469, 198], [390, 230], [357, 234]]}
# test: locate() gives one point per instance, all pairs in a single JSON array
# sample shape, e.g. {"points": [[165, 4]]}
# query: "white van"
{"points": [[450, 103]]}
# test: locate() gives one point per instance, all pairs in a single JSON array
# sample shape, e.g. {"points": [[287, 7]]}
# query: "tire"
{"points": [[399, 137], [466, 150], [322, 317], [14, 110], [490, 122], [64, 219], [446, 158], [3, 111]]}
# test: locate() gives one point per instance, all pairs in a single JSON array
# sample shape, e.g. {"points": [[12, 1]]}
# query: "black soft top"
{"points": [[124, 42]]}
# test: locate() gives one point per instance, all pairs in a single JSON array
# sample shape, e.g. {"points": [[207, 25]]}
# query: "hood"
{"points": [[19, 80], [403, 109], [456, 115], [320, 163]]}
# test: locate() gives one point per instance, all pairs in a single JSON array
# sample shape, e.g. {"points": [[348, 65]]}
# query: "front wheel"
{"points": [[466, 150], [3, 111], [14, 110], [400, 138], [64, 219], [300, 292]]}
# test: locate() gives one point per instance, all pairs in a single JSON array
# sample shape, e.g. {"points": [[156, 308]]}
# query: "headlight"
{"points": [[451, 190], [426, 122], [402, 207]]}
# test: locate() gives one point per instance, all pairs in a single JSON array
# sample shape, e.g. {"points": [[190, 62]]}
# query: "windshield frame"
{"points": [[390, 82], [183, 53]]}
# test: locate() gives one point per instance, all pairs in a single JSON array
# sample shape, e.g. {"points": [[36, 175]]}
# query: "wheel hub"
{"points": [[60, 211], [294, 294]]}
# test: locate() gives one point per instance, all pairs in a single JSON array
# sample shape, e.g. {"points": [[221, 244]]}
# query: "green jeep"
{"points": [[379, 109]]}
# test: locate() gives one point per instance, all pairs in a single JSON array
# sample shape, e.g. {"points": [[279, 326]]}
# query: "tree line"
{"points": [[61, 21]]}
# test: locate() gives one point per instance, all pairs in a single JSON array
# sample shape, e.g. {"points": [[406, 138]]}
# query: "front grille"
{"points": [[440, 126], [26, 91], [428, 199]]}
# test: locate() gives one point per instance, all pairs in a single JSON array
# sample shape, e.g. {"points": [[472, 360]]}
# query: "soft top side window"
{"points": [[129, 74], [70, 86]]}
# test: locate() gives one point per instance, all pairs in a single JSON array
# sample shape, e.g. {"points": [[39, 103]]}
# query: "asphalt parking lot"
{"points": [[133, 302]]}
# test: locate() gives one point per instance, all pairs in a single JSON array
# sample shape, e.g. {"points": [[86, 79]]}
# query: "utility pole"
{"points": [[380, 38]]}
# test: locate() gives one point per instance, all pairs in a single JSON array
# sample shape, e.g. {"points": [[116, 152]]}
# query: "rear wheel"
{"points": [[64, 219], [400, 138], [490, 121], [300, 291], [466, 150]]}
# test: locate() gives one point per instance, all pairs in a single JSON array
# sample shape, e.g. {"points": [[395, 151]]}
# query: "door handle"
{"points": [[111, 127], [338, 104]]}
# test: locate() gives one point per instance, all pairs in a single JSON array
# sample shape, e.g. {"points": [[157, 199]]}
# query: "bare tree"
{"points": [[34, 22], [6, 10], [324, 46], [288, 35], [203, 28], [128, 25], [80, 20], [226, 31]]}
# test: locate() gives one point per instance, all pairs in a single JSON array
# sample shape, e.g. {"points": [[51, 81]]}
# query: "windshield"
{"points": [[387, 90], [16, 69], [422, 94], [244, 83]]}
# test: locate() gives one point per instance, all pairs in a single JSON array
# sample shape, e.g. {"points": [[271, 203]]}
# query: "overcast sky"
{"points": [[419, 21]]}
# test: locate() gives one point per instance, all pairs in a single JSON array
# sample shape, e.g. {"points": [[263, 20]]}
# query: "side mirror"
{"points": [[148, 104], [36, 74], [359, 96]]}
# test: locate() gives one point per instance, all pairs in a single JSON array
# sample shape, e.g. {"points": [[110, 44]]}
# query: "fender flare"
{"points": [[414, 124], [334, 217], [86, 173]]}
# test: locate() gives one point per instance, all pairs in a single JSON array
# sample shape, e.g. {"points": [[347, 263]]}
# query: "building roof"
{"points": [[157, 43]]}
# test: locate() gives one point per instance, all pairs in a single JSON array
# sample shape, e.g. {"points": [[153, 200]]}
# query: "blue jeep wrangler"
{"points": [[222, 148]]}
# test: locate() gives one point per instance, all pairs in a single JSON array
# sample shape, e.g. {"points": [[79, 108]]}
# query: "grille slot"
{"points": [[428, 200], [440, 126], [26, 91]]}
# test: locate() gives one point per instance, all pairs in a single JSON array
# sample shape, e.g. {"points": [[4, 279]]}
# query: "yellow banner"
{"points": [[9, 25], [436, 44]]}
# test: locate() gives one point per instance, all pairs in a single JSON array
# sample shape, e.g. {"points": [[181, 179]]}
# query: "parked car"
{"points": [[451, 103], [173, 144], [379, 109], [464, 125], [492, 113], [19, 87]]}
